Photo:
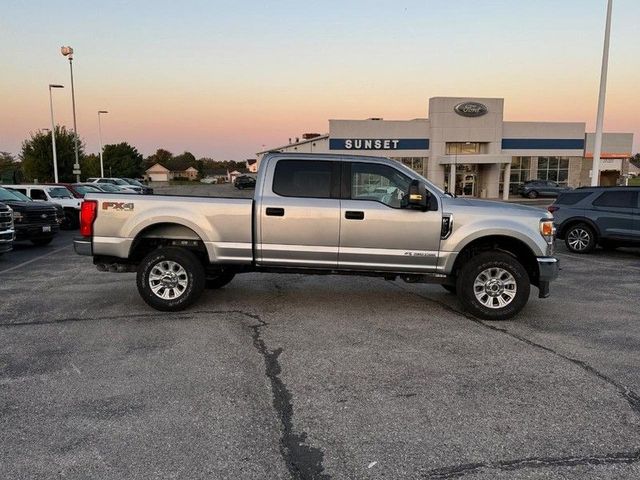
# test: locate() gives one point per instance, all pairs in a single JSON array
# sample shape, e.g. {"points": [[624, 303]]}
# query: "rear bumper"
{"points": [[83, 246], [548, 268]]}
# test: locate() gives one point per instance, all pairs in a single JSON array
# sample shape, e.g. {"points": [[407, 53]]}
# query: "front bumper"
{"points": [[548, 268], [83, 246], [35, 231]]}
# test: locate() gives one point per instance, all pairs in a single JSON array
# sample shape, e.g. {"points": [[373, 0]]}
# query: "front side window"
{"points": [[617, 200], [380, 183], [302, 178]]}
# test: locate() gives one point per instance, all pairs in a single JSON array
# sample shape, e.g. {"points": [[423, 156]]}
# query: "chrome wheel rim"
{"points": [[578, 239], [495, 288], [168, 280]]}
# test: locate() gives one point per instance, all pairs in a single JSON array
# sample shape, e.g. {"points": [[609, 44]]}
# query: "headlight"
{"points": [[17, 216]]}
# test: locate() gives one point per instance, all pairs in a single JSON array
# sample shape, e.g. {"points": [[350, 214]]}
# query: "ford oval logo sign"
{"points": [[470, 109]]}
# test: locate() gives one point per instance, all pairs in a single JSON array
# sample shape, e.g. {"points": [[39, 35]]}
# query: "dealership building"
{"points": [[467, 147]]}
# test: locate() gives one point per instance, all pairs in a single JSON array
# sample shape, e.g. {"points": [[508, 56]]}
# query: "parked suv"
{"points": [[244, 181], [605, 216], [34, 221], [541, 188], [7, 231], [54, 194]]}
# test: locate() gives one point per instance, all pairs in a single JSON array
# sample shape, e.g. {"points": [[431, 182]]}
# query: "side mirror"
{"points": [[418, 197]]}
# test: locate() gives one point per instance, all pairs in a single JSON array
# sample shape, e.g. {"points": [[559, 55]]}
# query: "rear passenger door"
{"points": [[299, 215], [616, 214]]}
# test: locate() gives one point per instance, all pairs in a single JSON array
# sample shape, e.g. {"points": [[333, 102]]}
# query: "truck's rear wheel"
{"points": [[493, 286], [170, 279]]}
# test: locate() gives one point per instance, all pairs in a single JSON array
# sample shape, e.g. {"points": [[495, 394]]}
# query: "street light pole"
{"points": [[100, 140], [68, 52], [597, 147], [53, 133]]}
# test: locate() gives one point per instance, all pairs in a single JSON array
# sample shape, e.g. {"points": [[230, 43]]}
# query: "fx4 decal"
{"points": [[127, 207]]}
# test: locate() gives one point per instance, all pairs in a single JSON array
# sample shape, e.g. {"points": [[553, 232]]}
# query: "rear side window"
{"points": [[620, 199], [302, 178], [38, 194], [572, 198]]}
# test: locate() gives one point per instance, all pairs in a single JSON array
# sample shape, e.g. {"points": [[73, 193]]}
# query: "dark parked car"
{"points": [[146, 190], [6, 229], [605, 216], [541, 188], [244, 181], [34, 221], [79, 190]]}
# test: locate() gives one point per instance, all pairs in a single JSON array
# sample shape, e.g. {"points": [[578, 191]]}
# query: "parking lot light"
{"points": [[53, 132], [100, 140]]}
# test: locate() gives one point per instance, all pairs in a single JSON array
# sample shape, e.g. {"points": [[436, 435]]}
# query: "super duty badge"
{"points": [[121, 206]]}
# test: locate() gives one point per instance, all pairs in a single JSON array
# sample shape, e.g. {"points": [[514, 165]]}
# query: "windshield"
{"points": [[19, 195], [60, 192], [9, 195], [133, 182], [106, 187], [84, 189], [119, 181]]}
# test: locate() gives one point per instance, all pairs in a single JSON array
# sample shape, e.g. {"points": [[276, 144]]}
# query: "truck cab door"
{"points": [[376, 232], [298, 215]]}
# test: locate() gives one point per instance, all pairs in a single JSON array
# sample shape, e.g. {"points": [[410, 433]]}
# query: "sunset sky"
{"points": [[222, 79]]}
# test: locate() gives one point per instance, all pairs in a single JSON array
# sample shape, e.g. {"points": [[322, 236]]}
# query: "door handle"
{"points": [[351, 215], [275, 212]]}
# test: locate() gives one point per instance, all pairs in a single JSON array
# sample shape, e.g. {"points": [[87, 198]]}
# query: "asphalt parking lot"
{"points": [[291, 376]]}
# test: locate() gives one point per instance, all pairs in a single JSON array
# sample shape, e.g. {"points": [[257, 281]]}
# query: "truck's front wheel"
{"points": [[170, 279], [493, 286]]}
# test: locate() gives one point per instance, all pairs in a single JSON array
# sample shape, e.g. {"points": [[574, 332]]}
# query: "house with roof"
{"points": [[159, 173]]}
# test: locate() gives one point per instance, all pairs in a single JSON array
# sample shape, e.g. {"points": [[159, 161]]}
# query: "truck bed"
{"points": [[223, 224]]}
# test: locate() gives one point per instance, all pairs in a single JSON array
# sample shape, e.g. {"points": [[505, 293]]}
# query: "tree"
{"points": [[10, 168], [37, 155], [182, 162], [122, 160], [161, 156], [90, 166]]}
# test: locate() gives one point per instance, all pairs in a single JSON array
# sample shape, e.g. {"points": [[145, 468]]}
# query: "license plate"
{"points": [[46, 228]]}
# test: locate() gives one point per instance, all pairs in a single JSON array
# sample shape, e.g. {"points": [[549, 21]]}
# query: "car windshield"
{"points": [[119, 181], [19, 195], [133, 182], [6, 194], [84, 189], [107, 187], [60, 192]]}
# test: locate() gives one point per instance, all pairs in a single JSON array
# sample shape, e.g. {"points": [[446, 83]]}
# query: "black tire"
{"points": [[450, 288], [219, 281], [580, 238], [41, 241], [70, 221], [515, 279], [532, 194], [164, 260]]}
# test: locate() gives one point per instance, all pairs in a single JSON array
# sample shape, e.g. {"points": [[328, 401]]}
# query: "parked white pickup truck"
{"points": [[325, 214]]}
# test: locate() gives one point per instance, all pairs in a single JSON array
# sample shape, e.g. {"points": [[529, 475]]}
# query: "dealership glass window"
{"points": [[554, 168], [463, 148], [414, 163], [380, 183], [520, 173]]}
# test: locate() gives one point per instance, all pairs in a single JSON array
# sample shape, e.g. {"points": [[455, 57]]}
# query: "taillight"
{"points": [[88, 213], [553, 208]]}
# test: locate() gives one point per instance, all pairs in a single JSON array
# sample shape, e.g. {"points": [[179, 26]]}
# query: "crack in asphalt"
{"points": [[631, 397], [303, 461], [456, 471]]}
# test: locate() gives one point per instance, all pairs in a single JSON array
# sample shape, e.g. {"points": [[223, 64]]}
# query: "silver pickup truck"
{"points": [[325, 214]]}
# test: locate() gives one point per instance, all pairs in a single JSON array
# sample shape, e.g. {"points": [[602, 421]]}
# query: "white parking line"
{"points": [[34, 259]]}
